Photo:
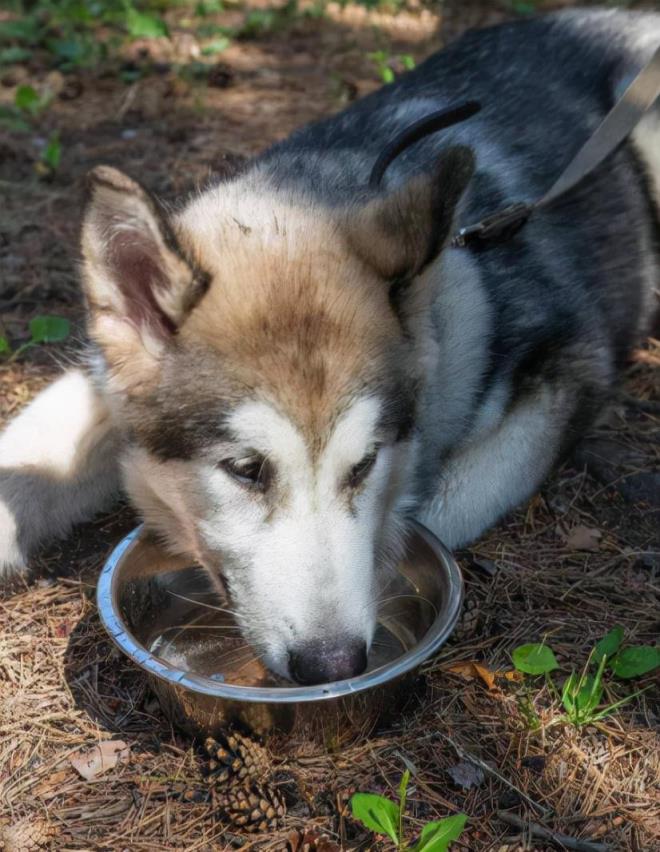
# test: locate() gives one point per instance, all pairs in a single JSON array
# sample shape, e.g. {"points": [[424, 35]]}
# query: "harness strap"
{"points": [[617, 125]]}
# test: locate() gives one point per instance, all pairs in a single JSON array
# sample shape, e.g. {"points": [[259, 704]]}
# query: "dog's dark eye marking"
{"points": [[254, 472], [361, 470]]}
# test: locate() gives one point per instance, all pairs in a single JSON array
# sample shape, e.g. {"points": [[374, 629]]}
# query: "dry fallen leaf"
{"points": [[485, 674], [466, 775], [471, 669], [95, 761], [583, 538]]}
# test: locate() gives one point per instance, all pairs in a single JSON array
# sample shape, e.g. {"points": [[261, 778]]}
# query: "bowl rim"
{"points": [[435, 637]]}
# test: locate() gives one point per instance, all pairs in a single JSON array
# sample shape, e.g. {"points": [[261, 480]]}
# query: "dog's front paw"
{"points": [[12, 561]]}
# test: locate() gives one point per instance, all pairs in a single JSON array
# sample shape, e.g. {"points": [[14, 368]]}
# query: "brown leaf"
{"points": [[485, 674], [466, 775], [583, 538], [95, 761], [471, 670], [464, 669]]}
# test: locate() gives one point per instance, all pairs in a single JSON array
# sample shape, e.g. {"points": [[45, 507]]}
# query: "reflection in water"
{"points": [[193, 632]]}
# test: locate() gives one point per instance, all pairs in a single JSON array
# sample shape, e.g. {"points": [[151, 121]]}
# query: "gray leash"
{"points": [[617, 125]]}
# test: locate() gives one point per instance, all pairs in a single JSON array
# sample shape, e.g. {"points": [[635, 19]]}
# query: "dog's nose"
{"points": [[322, 662]]}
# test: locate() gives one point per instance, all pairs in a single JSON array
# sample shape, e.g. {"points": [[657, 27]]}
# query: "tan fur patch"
{"points": [[300, 319]]}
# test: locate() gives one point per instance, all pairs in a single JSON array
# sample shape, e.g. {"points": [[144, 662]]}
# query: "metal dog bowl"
{"points": [[162, 614]]}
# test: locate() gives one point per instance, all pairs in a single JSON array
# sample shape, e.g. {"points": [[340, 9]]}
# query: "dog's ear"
{"points": [[138, 284], [400, 232]]}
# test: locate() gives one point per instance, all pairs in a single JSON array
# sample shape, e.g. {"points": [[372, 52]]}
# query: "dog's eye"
{"points": [[253, 472], [360, 471]]}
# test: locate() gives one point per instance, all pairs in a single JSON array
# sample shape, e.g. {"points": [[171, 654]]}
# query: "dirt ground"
{"points": [[62, 685]]}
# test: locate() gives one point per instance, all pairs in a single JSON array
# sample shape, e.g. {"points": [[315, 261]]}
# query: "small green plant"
{"points": [[387, 65], [582, 694], [524, 7], [383, 816], [260, 22], [12, 55], [30, 102], [208, 7], [635, 661], [50, 157], [534, 659], [28, 105], [215, 46], [43, 329], [68, 29], [141, 25]]}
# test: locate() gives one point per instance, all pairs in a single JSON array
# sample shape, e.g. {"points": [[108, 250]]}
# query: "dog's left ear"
{"points": [[139, 285], [400, 232]]}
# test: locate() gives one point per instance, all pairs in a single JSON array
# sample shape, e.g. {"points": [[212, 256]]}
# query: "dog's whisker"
{"points": [[241, 656], [216, 628], [397, 597], [243, 666], [201, 603]]}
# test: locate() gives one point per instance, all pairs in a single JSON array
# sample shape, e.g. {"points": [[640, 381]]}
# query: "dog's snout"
{"points": [[323, 662]]}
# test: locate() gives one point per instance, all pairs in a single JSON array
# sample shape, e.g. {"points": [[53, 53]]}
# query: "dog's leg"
{"points": [[59, 465], [496, 472]]}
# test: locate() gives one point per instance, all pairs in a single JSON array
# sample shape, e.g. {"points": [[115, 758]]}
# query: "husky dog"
{"points": [[293, 364]]}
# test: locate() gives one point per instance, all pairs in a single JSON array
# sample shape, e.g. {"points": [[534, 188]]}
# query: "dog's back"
{"points": [[544, 86], [489, 363]]}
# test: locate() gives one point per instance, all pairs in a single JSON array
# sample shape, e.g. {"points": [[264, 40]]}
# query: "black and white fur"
{"points": [[518, 345]]}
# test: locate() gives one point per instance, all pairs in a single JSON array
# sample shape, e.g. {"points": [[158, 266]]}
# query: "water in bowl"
{"points": [[195, 630]]}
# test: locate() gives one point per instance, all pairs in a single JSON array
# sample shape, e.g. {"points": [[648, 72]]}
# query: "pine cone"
{"points": [[29, 834], [468, 623], [310, 840], [237, 759], [253, 808]]}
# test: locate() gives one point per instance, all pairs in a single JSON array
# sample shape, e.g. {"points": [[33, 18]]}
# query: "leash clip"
{"points": [[498, 227]]}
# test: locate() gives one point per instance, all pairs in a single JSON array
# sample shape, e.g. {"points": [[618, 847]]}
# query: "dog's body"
{"points": [[292, 365]]}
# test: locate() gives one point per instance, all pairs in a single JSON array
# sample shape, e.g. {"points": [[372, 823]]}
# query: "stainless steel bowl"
{"points": [[163, 615]]}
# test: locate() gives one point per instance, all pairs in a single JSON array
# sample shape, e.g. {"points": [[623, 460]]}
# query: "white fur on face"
{"points": [[300, 567]]}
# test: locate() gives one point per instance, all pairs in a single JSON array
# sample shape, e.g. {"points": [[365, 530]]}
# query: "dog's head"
{"points": [[262, 354]]}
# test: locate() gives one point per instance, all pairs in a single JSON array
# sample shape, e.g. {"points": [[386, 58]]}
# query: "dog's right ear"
{"points": [[138, 284]]}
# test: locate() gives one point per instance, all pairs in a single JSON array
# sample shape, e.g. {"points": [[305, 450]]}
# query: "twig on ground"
{"points": [[564, 840], [466, 755]]}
